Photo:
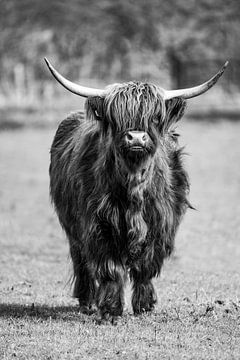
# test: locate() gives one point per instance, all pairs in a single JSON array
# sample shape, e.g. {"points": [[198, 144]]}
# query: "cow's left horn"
{"points": [[197, 90], [74, 88]]}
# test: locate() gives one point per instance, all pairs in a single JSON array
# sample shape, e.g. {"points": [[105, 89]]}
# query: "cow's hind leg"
{"points": [[110, 294], [144, 297], [84, 284]]}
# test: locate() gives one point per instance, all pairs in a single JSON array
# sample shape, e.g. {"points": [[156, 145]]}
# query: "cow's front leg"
{"points": [[110, 295], [84, 284], [144, 297]]}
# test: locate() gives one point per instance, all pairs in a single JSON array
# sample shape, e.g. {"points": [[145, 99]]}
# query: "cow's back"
{"points": [[66, 129], [73, 153], [61, 153]]}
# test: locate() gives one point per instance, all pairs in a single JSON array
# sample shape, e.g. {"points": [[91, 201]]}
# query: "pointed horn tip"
{"points": [[47, 62], [225, 65], [221, 71]]}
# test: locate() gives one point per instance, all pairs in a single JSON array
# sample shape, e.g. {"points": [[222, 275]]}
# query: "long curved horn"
{"points": [[197, 90], [74, 88]]}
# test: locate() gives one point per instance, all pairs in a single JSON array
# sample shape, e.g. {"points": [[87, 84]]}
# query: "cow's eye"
{"points": [[98, 117]]}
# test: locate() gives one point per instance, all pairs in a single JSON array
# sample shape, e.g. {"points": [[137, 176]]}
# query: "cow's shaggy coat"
{"points": [[119, 206]]}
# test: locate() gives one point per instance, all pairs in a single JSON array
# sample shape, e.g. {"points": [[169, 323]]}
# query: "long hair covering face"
{"points": [[132, 105]]}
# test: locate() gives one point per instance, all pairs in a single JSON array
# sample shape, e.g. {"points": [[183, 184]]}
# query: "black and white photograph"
{"points": [[119, 179]]}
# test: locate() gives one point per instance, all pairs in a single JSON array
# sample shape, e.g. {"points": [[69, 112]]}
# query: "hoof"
{"points": [[87, 310], [105, 319], [144, 309]]}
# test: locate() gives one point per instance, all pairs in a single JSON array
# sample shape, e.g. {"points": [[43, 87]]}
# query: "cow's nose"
{"points": [[137, 138]]}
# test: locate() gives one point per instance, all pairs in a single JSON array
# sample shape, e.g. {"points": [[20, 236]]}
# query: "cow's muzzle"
{"points": [[136, 149], [137, 140]]}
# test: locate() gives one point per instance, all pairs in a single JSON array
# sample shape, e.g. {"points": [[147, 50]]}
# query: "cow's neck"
{"points": [[137, 184], [131, 180]]}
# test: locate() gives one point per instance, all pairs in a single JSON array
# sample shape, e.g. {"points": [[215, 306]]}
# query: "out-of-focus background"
{"points": [[172, 43]]}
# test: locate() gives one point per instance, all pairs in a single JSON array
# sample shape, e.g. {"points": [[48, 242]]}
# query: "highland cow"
{"points": [[120, 189]]}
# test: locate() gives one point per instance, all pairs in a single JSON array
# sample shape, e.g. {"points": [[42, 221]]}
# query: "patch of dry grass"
{"points": [[198, 314]]}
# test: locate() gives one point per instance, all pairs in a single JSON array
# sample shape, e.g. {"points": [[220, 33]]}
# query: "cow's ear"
{"points": [[175, 109], [94, 107]]}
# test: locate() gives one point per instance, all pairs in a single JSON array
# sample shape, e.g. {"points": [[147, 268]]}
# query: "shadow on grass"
{"points": [[42, 312]]}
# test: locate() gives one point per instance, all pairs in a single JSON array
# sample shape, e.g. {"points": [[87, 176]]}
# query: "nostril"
{"points": [[129, 137], [136, 137]]}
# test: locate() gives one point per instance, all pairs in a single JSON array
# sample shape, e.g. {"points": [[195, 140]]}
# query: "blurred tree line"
{"points": [[178, 43]]}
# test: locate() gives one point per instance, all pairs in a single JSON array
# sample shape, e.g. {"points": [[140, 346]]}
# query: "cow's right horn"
{"points": [[74, 88]]}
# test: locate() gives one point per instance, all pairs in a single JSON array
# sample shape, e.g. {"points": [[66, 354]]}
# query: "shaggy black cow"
{"points": [[120, 189]]}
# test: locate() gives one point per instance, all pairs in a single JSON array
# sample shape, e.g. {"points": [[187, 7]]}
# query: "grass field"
{"points": [[198, 313]]}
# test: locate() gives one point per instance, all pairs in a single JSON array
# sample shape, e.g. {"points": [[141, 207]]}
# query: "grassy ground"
{"points": [[198, 313]]}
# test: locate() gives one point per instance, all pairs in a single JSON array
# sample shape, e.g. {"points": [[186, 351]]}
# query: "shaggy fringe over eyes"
{"points": [[132, 105]]}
